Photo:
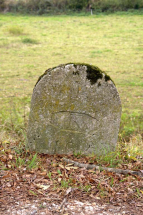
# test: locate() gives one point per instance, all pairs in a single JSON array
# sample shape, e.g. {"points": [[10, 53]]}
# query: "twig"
{"points": [[92, 166], [61, 207]]}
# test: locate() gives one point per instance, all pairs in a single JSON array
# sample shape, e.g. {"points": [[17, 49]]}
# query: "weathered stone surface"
{"points": [[74, 107]]}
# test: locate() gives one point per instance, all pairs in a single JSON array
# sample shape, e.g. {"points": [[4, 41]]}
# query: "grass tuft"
{"points": [[29, 41], [15, 30], [33, 162], [125, 152]]}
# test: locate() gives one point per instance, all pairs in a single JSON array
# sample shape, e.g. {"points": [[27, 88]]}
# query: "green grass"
{"points": [[29, 40], [125, 153], [15, 30], [111, 42]]}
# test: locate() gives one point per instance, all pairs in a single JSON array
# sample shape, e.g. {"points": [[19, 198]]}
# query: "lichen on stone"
{"points": [[45, 73]]}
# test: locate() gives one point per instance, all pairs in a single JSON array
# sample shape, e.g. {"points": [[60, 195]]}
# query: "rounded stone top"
{"points": [[74, 107], [93, 72]]}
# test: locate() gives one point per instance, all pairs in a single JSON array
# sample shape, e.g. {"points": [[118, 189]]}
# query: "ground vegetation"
{"points": [[69, 6]]}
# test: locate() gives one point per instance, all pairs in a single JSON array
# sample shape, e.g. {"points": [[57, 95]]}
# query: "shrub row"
{"points": [[46, 6]]}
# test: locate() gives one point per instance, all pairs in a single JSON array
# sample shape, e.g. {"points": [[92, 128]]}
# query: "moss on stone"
{"points": [[107, 78], [93, 72]]}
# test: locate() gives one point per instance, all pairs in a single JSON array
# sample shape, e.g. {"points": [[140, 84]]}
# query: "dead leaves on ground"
{"points": [[51, 179]]}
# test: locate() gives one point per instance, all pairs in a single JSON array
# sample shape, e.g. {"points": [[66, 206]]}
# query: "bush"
{"points": [[45, 6], [29, 6], [115, 5], [39, 6], [78, 4], [2, 5]]}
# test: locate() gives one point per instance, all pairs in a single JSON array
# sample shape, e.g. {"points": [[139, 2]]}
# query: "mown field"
{"points": [[31, 44]]}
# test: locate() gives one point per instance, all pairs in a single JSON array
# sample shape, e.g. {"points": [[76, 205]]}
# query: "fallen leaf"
{"points": [[139, 205], [70, 164], [9, 166], [6, 176], [68, 168], [59, 179], [91, 171], [32, 193], [43, 173], [96, 197], [75, 167], [5, 142], [10, 157], [54, 165], [4, 159], [60, 165], [69, 190], [44, 187]]}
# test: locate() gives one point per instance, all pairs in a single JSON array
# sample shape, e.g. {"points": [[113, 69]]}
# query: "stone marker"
{"points": [[74, 108]]}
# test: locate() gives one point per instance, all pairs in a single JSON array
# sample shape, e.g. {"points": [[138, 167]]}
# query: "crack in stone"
{"points": [[65, 130], [74, 112], [72, 131]]}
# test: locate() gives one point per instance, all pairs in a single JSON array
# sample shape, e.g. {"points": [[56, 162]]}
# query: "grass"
{"points": [[125, 153], [15, 30], [29, 40], [112, 42]]}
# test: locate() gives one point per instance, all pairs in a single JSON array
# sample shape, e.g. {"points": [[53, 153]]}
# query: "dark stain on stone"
{"points": [[76, 73], [107, 78], [93, 73]]}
